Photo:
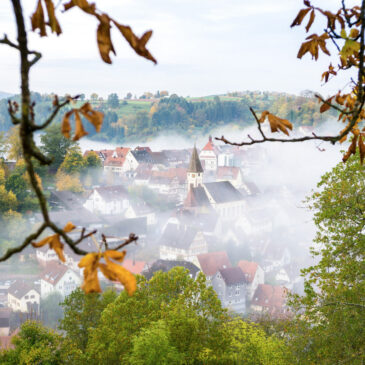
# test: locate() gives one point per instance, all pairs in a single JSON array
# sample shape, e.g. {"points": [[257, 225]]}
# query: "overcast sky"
{"points": [[203, 47]]}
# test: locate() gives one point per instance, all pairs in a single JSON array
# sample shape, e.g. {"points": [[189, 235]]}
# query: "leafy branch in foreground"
{"points": [[346, 30], [24, 116]]}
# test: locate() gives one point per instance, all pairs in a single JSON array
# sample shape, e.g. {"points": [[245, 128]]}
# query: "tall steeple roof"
{"points": [[195, 164]]}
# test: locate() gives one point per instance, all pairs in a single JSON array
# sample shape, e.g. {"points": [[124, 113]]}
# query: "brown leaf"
{"points": [[103, 38], [54, 243], [311, 20], [352, 148], [38, 21], [52, 20], [82, 4], [93, 116], [298, 20], [264, 114], [79, 128], [66, 125], [138, 44], [326, 105], [69, 227], [279, 124], [361, 148], [115, 255]]}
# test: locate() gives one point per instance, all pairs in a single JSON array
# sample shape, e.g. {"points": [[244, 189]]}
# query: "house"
{"points": [[277, 255], [167, 265], [137, 156], [232, 174], [114, 165], [182, 243], [139, 209], [209, 156], [269, 299], [58, 278], [22, 297], [254, 276], [221, 196], [108, 200], [230, 286], [65, 200], [135, 267], [211, 262]]}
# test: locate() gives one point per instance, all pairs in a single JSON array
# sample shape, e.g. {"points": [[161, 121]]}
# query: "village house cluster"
{"points": [[200, 209]]}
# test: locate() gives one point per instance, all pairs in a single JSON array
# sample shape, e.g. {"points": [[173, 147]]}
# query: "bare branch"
{"points": [[11, 251], [132, 238]]}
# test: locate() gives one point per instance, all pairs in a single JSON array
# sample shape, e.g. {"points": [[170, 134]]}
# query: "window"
{"points": [[32, 296], [27, 296]]}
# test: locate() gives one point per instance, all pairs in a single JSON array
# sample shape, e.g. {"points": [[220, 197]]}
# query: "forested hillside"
{"points": [[145, 118]]}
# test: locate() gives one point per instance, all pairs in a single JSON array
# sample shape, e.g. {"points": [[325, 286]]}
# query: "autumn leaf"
{"points": [[82, 4], [93, 116], [112, 271], [103, 38], [54, 242], [326, 105], [38, 21], [311, 20], [79, 128], [313, 44], [277, 124], [352, 148], [52, 20], [301, 15], [138, 44]]}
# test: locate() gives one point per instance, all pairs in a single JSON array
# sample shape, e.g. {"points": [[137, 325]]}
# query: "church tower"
{"points": [[195, 171]]}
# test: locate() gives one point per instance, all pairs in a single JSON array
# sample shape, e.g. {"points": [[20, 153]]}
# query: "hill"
{"points": [[143, 119]]}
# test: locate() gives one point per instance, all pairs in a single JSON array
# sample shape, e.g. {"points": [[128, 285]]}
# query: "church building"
{"points": [[220, 196]]}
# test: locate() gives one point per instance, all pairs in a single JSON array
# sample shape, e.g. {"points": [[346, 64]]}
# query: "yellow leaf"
{"points": [[89, 260], [69, 227], [57, 246], [103, 38], [115, 255], [264, 114], [37, 20], [116, 272], [352, 148], [79, 128], [43, 242], [91, 281]]}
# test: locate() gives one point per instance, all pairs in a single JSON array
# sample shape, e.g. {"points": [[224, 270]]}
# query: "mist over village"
{"points": [[182, 183]]}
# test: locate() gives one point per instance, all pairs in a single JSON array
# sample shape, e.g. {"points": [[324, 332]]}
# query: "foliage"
{"points": [[65, 182], [331, 314], [8, 200], [55, 145], [73, 162], [36, 344], [113, 100], [82, 313], [51, 311]]}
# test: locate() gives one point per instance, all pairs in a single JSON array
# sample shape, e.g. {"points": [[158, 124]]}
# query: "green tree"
{"points": [[92, 160], [73, 162], [55, 145], [81, 313], [51, 311], [113, 101], [36, 344], [7, 200], [16, 183], [191, 310], [330, 327]]}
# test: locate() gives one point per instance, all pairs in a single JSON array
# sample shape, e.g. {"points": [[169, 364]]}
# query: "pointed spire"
{"points": [[195, 164]]}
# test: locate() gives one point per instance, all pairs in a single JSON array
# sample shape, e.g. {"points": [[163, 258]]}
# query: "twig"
{"points": [[132, 238]]}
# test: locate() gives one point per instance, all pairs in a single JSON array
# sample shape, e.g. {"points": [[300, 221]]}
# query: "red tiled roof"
{"points": [[270, 297], [114, 161], [211, 262], [134, 267], [122, 151], [53, 272], [209, 146], [249, 269]]}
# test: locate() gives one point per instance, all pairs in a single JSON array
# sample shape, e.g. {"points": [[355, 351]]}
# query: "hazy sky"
{"points": [[202, 46]]}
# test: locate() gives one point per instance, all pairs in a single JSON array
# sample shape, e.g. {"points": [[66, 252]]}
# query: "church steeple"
{"points": [[195, 171], [195, 164]]}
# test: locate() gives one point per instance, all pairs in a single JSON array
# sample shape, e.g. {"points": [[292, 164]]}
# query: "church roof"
{"points": [[223, 192], [197, 197], [195, 164]]}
